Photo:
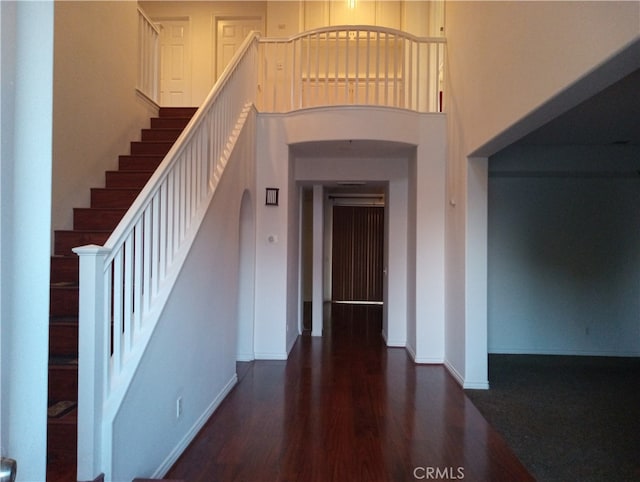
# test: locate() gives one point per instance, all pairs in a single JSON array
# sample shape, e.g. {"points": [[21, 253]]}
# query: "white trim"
{"points": [[271, 356], [465, 384], [475, 385], [244, 357], [190, 435], [412, 352], [428, 360], [215, 18], [146, 98], [394, 343], [400, 343], [291, 344], [454, 373]]}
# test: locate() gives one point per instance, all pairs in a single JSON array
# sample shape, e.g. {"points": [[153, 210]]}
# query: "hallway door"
{"points": [[175, 63], [357, 253], [230, 33]]}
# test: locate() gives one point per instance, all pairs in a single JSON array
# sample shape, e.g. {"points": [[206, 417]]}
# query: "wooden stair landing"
{"points": [[92, 225]]}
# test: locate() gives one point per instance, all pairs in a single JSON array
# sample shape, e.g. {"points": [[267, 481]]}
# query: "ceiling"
{"points": [[610, 117]]}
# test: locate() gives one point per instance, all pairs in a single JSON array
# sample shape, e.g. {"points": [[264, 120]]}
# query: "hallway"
{"points": [[344, 407]]}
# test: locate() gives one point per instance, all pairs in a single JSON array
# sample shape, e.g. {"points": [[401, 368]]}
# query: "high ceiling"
{"points": [[610, 117]]}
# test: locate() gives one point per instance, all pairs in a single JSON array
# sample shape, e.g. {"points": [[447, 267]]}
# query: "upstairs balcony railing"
{"points": [[148, 57], [351, 65]]}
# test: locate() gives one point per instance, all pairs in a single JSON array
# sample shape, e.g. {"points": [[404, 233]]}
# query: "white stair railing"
{"points": [[125, 283], [148, 57], [351, 65]]}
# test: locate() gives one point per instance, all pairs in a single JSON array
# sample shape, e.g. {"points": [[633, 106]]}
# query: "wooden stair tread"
{"points": [[139, 162], [63, 320], [70, 418], [64, 362], [64, 284], [113, 197], [130, 172]]}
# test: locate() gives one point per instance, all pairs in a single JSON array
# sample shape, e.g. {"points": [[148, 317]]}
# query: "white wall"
{"points": [[563, 265], [26, 70], [504, 61], [430, 241], [387, 13], [97, 111], [272, 248], [273, 294], [294, 302], [192, 352]]}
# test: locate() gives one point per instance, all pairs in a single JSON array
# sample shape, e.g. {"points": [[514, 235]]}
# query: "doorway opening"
{"points": [[353, 252], [175, 62]]}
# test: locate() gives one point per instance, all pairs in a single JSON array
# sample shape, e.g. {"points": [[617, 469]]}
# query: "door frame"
{"points": [[214, 35], [189, 67]]}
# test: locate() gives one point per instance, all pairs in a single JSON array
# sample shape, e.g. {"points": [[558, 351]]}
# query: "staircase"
{"points": [[92, 225]]}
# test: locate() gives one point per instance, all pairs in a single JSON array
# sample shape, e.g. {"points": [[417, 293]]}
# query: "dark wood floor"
{"points": [[344, 407]]}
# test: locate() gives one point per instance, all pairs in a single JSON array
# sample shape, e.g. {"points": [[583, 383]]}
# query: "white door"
{"points": [[175, 63], [231, 32]]}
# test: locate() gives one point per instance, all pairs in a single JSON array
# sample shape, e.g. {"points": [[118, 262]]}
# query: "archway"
{"points": [[246, 279]]}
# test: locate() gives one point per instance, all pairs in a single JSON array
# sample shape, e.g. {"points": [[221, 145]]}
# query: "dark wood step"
{"points": [[127, 179], [165, 135], [177, 111], [97, 218], [113, 198], [65, 241], [63, 337], [64, 269], [139, 163], [63, 300], [62, 440], [169, 122], [150, 148], [63, 379]]}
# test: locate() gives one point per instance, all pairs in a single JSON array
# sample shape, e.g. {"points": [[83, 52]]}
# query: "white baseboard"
{"points": [[411, 351], [422, 360], [428, 360], [466, 384], [471, 385], [396, 343], [292, 342], [454, 373], [271, 356], [190, 435], [242, 357]]}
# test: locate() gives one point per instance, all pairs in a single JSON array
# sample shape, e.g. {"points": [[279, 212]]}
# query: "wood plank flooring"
{"points": [[344, 407]]}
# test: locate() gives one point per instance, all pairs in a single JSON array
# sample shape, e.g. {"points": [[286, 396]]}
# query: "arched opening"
{"points": [[246, 277]]}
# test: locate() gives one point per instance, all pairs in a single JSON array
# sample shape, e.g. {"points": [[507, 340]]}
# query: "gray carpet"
{"points": [[567, 418]]}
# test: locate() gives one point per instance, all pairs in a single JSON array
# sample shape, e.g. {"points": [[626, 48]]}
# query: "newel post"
{"points": [[92, 331]]}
